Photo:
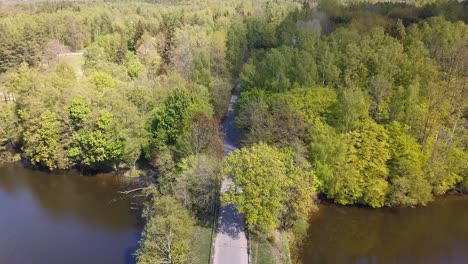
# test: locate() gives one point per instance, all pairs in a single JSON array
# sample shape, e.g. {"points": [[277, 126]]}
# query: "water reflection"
{"points": [[64, 218], [437, 233]]}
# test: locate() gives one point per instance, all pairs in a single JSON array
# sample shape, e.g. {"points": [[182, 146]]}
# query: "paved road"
{"points": [[230, 241]]}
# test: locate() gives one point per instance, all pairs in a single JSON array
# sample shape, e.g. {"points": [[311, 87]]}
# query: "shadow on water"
{"points": [[130, 257]]}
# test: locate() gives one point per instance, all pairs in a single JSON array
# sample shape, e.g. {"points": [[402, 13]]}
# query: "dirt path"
{"points": [[230, 241], [68, 54]]}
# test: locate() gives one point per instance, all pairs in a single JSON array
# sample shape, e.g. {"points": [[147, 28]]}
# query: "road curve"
{"points": [[231, 241]]}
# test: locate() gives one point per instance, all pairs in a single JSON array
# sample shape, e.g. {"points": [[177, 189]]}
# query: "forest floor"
{"points": [[231, 241]]}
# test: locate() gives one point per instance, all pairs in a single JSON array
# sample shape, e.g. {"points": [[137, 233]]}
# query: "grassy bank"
{"points": [[202, 244], [270, 250]]}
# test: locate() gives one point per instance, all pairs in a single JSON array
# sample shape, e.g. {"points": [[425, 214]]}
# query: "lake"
{"points": [[436, 233], [65, 218]]}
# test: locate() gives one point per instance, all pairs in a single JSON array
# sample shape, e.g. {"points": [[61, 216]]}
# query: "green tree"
{"points": [[198, 184], [9, 126], [236, 47], [98, 146], [41, 142], [168, 232], [134, 66], [94, 55], [102, 81], [78, 112], [167, 124], [201, 135], [360, 174], [409, 186], [220, 91], [265, 178], [277, 122], [351, 109], [254, 121], [139, 32]]}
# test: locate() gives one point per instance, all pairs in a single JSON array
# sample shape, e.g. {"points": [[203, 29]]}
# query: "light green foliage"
{"points": [[78, 112], [274, 122], [22, 81], [37, 115], [220, 91], [280, 70], [102, 81], [97, 60], [134, 66], [94, 55], [260, 180], [282, 118], [361, 173], [315, 103], [444, 169], [351, 110], [326, 148], [131, 129], [444, 41], [268, 187], [374, 98], [201, 72], [352, 167], [236, 44], [409, 184], [115, 46], [65, 72], [9, 126], [42, 142], [168, 232]]}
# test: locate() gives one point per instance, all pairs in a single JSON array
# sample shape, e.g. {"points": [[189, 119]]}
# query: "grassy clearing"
{"points": [[261, 251], [76, 61], [202, 244]]}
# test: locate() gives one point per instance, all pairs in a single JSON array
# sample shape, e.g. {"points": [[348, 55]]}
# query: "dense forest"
{"points": [[357, 103], [367, 102]]}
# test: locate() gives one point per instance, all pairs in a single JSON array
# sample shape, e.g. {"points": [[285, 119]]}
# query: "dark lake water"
{"points": [[74, 219], [436, 233], [65, 218]]}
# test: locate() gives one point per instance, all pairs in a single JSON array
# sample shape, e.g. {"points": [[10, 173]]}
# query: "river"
{"points": [[58, 218], [436, 233]]}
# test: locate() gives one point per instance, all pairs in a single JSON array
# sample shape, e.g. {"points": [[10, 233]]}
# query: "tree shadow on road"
{"points": [[231, 222]]}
